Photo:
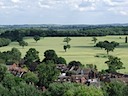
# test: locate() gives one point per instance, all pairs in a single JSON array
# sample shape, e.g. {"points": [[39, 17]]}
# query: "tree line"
{"points": [[18, 34]]}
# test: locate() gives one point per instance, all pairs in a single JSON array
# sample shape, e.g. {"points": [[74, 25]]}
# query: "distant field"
{"points": [[81, 49]]}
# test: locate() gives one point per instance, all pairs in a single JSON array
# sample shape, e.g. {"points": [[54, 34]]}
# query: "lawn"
{"points": [[81, 49]]}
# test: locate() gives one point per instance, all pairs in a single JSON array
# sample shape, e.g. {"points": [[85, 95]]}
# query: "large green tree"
{"points": [[16, 55], [114, 64], [108, 46], [50, 55], [4, 42], [10, 57], [23, 43], [32, 55], [47, 73]]}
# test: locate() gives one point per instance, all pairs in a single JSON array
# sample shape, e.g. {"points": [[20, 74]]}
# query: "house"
{"points": [[114, 76], [73, 74], [16, 70]]}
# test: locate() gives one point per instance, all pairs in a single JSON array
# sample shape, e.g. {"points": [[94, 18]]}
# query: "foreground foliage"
{"points": [[72, 89], [115, 88]]}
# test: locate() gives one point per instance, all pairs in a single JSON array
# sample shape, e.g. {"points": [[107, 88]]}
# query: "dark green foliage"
{"points": [[36, 38], [76, 64], [108, 46], [25, 90], [65, 47], [4, 42], [16, 54], [31, 56], [11, 85], [125, 90], [13, 35], [114, 64], [4, 91], [67, 40], [72, 89], [62, 31], [114, 88], [10, 81], [50, 55], [10, 57], [68, 46], [30, 77], [3, 70], [126, 39], [47, 73], [23, 43], [22, 89], [61, 60]]}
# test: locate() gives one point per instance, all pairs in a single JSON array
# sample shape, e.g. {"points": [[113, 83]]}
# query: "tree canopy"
{"points": [[36, 38], [10, 57], [67, 40], [108, 46], [47, 73], [4, 42], [32, 55], [30, 77], [72, 89], [50, 55], [114, 64], [23, 43]]}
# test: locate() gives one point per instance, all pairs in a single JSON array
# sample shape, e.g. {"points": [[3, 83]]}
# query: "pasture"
{"points": [[81, 49]]}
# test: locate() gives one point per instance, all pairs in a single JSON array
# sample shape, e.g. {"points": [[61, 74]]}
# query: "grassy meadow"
{"points": [[81, 49]]}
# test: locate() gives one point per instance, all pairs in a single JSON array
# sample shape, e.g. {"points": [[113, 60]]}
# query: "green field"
{"points": [[81, 49]]}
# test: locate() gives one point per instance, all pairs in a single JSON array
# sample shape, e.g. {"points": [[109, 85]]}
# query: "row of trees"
{"points": [[18, 34]]}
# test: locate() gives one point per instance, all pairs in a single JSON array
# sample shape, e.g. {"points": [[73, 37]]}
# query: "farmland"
{"points": [[82, 49]]}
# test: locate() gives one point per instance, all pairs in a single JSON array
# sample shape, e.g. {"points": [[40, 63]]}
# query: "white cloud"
{"points": [[117, 6], [64, 8], [124, 13], [81, 5], [15, 1]]}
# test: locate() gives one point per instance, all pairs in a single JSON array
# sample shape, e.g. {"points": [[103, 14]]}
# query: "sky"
{"points": [[63, 11]]}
